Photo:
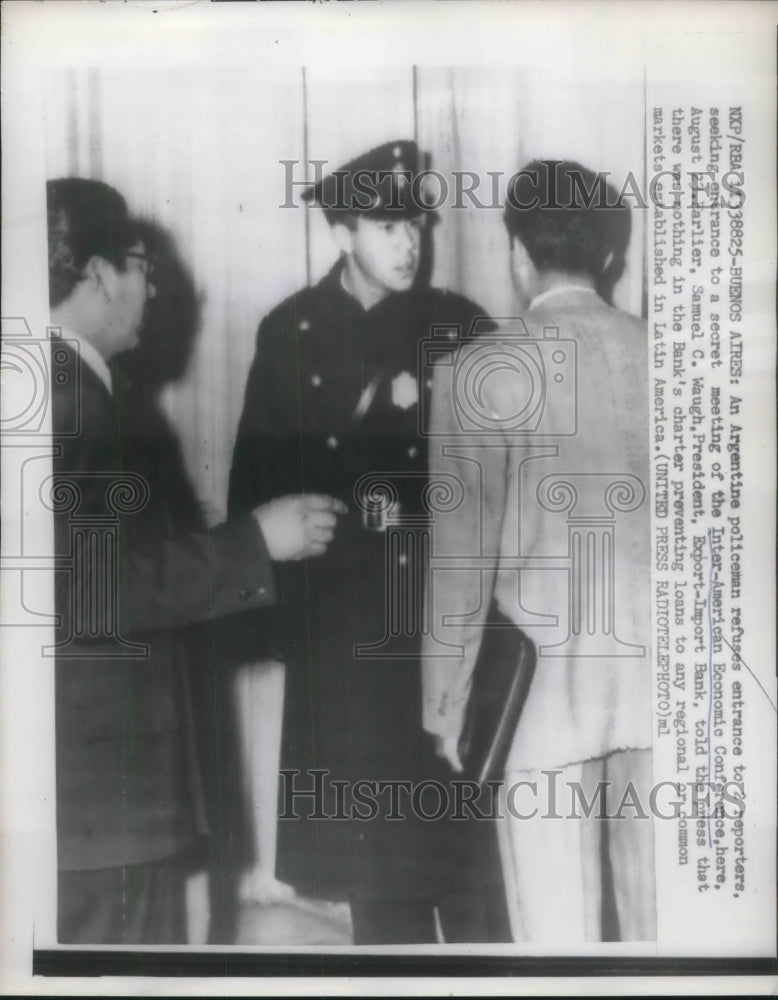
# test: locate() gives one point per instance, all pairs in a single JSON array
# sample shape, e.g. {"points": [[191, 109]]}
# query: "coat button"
{"points": [[316, 381], [245, 594], [332, 442], [303, 325], [413, 451]]}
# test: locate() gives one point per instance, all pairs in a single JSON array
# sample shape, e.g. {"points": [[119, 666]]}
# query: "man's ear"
{"points": [[519, 254], [101, 277], [522, 268], [343, 236]]}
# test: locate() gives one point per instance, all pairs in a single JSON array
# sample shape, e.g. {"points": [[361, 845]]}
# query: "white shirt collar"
{"points": [[560, 290], [90, 356]]}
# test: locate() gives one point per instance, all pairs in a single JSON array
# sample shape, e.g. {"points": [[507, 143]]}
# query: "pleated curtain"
{"points": [[202, 154]]}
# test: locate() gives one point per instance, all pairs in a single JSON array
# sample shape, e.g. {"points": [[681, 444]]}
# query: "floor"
{"points": [[306, 923], [271, 915]]}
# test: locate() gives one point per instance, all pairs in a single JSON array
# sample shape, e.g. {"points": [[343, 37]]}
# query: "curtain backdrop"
{"points": [[200, 153], [496, 120]]}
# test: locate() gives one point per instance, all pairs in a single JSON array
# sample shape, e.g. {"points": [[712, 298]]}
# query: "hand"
{"points": [[446, 747], [296, 527]]}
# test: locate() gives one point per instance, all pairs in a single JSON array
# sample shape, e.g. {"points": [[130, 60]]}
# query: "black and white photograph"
{"points": [[388, 495]]}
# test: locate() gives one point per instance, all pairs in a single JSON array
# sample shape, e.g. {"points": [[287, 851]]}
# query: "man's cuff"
{"points": [[254, 580]]}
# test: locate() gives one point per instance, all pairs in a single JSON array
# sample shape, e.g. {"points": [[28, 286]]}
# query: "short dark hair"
{"points": [[86, 219], [567, 217]]}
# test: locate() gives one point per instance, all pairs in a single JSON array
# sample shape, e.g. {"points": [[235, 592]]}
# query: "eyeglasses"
{"points": [[148, 263]]}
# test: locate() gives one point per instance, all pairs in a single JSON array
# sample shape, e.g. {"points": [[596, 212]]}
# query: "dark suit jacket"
{"points": [[131, 581]]}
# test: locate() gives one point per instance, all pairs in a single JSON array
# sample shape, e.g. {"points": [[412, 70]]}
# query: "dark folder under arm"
{"points": [[501, 680]]}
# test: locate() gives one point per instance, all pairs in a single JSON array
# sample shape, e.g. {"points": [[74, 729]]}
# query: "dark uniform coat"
{"points": [[127, 781], [333, 405]]}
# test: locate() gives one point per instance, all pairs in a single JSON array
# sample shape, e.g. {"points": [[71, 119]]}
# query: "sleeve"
{"points": [[195, 577], [246, 479], [122, 574], [268, 432], [465, 555]]}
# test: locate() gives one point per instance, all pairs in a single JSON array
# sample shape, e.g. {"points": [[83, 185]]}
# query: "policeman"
{"points": [[333, 404]]}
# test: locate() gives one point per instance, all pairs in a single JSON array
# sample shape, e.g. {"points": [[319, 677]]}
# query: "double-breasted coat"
{"points": [[335, 403]]}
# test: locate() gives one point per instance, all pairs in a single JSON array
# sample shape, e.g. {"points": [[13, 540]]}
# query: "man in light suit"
{"points": [[546, 425], [128, 789]]}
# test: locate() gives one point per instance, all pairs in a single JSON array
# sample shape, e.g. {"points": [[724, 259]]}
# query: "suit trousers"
{"points": [[135, 904], [562, 867]]}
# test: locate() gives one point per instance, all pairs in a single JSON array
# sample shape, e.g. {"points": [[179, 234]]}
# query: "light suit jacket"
{"points": [[545, 427]]}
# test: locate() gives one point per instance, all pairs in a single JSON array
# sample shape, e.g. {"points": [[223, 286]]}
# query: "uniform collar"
{"points": [[334, 280]]}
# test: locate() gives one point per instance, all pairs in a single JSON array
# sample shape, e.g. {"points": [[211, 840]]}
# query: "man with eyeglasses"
{"points": [[129, 803]]}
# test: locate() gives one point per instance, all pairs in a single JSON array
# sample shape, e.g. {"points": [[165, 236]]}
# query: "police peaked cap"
{"points": [[385, 183]]}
